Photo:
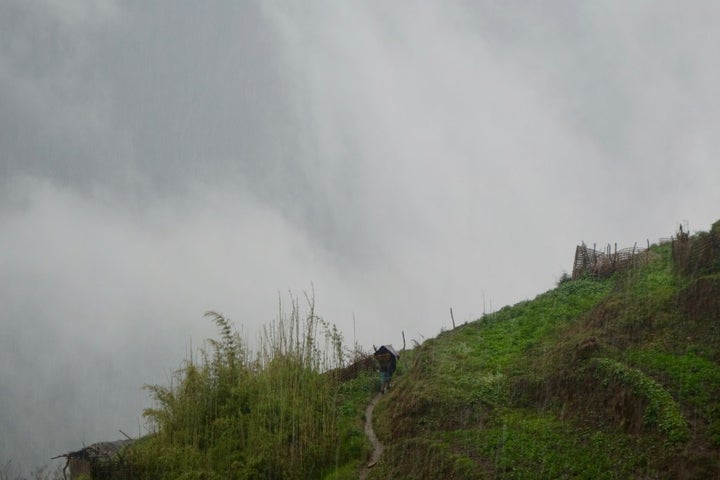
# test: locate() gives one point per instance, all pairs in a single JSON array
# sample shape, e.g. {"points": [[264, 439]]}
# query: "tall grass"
{"points": [[233, 413]]}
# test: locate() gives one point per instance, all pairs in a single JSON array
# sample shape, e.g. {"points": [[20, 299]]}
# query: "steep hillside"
{"points": [[616, 378], [600, 378]]}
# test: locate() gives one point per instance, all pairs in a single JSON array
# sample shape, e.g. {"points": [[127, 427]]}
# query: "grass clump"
{"points": [[278, 413], [661, 411], [692, 379]]}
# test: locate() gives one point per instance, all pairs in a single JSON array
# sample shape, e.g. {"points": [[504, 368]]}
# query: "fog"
{"points": [[398, 159]]}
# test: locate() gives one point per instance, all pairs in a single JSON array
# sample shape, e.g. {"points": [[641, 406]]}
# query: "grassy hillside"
{"points": [[610, 378], [616, 378]]}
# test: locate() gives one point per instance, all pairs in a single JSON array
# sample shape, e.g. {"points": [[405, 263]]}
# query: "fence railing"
{"points": [[603, 263], [691, 255]]}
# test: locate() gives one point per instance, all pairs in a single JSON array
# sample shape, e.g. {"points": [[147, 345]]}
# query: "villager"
{"points": [[387, 358]]}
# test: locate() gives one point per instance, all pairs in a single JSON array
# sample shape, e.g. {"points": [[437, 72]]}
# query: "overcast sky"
{"points": [[160, 159]]}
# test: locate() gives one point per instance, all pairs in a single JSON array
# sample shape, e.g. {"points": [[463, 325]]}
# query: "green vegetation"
{"points": [[610, 378], [616, 378], [661, 410], [531, 444], [692, 379], [277, 414]]}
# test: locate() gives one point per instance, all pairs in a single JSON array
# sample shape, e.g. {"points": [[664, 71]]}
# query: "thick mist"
{"points": [[399, 159]]}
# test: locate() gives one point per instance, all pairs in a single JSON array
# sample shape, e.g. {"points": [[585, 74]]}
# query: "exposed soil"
{"points": [[377, 446]]}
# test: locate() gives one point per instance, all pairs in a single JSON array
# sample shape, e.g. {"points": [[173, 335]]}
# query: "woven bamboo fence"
{"points": [[603, 263]]}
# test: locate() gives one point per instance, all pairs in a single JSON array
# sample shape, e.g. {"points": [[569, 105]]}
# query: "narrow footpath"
{"points": [[377, 446]]}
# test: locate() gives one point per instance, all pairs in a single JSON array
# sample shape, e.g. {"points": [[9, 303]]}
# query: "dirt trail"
{"points": [[377, 446]]}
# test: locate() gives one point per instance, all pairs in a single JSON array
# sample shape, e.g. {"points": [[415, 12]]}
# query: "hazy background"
{"points": [[159, 159]]}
